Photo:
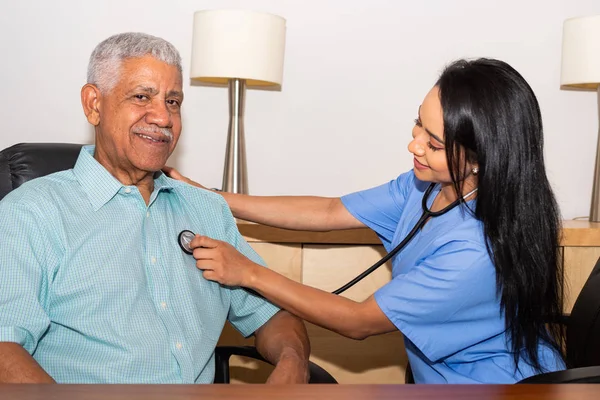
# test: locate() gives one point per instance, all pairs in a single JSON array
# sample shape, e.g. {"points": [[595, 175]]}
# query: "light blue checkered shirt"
{"points": [[95, 286]]}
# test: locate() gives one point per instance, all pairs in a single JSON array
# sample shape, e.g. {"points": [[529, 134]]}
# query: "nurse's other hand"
{"points": [[173, 173], [221, 262]]}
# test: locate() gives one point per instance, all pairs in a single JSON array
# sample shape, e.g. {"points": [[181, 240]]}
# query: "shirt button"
{"points": [[127, 190], [163, 305], [147, 214], [178, 345], [153, 259]]}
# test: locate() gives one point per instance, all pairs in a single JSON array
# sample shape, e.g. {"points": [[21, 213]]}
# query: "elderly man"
{"points": [[94, 287]]}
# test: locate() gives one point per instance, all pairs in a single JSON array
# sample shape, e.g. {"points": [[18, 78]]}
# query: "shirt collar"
{"points": [[100, 185], [161, 183]]}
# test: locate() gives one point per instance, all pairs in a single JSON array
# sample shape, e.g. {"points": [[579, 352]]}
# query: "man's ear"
{"points": [[90, 100]]}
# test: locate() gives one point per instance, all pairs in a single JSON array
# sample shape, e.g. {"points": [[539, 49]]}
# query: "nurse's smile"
{"points": [[419, 166]]}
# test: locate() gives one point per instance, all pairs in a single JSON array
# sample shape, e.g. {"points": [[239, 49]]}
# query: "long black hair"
{"points": [[492, 119]]}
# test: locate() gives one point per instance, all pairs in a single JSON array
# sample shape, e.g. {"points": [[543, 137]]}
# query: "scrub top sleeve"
{"points": [[447, 302], [380, 208]]}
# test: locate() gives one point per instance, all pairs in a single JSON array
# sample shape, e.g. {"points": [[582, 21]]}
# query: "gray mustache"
{"points": [[163, 131]]}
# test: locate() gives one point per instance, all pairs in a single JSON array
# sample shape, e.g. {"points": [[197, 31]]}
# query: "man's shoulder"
{"points": [[198, 197], [40, 190]]}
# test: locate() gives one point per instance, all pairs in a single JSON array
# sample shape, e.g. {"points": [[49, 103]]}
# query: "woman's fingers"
{"points": [[208, 270], [175, 174], [211, 276], [220, 261], [214, 271], [204, 242], [172, 172]]}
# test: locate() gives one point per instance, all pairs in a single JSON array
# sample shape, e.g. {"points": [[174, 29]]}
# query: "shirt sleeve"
{"points": [[247, 312], [447, 302], [380, 208], [25, 252]]}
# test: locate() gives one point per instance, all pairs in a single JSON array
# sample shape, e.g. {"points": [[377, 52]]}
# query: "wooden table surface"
{"points": [[332, 392]]}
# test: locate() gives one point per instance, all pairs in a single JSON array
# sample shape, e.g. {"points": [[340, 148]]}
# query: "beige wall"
{"points": [[355, 73]]}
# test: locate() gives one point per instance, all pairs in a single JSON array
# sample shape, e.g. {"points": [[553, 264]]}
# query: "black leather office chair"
{"points": [[583, 337], [25, 161], [582, 341], [223, 353]]}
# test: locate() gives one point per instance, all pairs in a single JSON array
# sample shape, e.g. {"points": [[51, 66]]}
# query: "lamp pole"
{"points": [[595, 206], [235, 176]]}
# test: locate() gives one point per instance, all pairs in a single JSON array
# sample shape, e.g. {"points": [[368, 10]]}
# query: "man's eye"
{"points": [[140, 97]]}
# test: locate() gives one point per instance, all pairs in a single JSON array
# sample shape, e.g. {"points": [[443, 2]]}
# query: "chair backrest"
{"points": [[583, 328], [25, 161]]}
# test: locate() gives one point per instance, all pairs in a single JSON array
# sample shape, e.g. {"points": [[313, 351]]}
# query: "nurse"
{"points": [[471, 291]]}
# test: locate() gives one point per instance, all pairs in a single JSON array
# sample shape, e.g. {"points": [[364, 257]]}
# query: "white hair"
{"points": [[105, 61]]}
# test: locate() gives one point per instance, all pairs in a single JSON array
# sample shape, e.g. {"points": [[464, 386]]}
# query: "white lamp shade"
{"points": [[581, 53], [239, 44]]}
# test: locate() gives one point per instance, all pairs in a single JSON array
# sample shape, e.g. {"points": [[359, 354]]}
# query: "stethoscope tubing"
{"points": [[427, 213], [186, 236], [386, 258]]}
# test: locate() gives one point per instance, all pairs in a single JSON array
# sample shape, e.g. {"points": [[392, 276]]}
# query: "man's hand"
{"points": [[284, 342], [221, 262], [18, 366], [290, 370]]}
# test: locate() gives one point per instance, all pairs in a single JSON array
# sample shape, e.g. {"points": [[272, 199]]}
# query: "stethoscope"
{"points": [[186, 236]]}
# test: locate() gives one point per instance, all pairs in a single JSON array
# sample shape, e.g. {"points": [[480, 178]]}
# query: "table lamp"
{"points": [[581, 70], [238, 49]]}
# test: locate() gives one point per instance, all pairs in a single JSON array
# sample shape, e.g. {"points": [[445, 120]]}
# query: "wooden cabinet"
{"points": [[327, 260]]}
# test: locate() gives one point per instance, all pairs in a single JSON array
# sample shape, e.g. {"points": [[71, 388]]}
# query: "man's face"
{"points": [[139, 120]]}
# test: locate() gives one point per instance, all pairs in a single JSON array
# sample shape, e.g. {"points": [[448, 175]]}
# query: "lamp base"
{"points": [[235, 177]]}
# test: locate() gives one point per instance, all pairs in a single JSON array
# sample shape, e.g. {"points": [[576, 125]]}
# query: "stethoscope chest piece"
{"points": [[185, 238]]}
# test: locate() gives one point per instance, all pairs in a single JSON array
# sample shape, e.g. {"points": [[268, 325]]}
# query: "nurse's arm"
{"points": [[356, 320], [306, 213], [309, 213], [222, 263]]}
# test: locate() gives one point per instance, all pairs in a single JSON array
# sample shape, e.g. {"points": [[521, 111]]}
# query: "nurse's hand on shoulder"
{"points": [[221, 262], [173, 173]]}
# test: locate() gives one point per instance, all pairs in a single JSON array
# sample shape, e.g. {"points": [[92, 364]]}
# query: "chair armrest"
{"points": [[573, 375], [222, 354]]}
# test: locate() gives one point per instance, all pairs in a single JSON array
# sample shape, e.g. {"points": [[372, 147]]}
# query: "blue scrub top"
{"points": [[442, 295]]}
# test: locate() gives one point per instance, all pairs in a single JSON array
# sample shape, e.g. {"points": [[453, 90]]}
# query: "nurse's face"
{"points": [[428, 141]]}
